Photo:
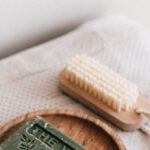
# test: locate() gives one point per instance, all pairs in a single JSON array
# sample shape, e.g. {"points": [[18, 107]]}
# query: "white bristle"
{"points": [[102, 83]]}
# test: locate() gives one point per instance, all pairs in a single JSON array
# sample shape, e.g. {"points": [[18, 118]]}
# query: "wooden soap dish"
{"points": [[87, 130], [127, 121]]}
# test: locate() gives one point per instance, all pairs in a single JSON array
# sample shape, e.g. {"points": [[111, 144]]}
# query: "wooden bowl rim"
{"points": [[66, 112]]}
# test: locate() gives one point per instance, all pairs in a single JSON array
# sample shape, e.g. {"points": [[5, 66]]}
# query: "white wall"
{"points": [[135, 9], [24, 23]]}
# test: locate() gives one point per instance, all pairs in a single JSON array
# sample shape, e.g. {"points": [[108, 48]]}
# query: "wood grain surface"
{"points": [[88, 131]]}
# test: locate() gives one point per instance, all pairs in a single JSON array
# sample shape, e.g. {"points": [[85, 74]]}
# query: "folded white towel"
{"points": [[28, 80]]}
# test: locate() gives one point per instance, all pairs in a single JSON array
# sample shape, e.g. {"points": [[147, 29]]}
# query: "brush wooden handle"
{"points": [[124, 120]]}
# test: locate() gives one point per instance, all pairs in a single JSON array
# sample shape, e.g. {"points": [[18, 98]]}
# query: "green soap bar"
{"points": [[39, 135]]}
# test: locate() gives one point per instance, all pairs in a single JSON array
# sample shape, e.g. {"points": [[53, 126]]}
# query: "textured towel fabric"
{"points": [[28, 80]]}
